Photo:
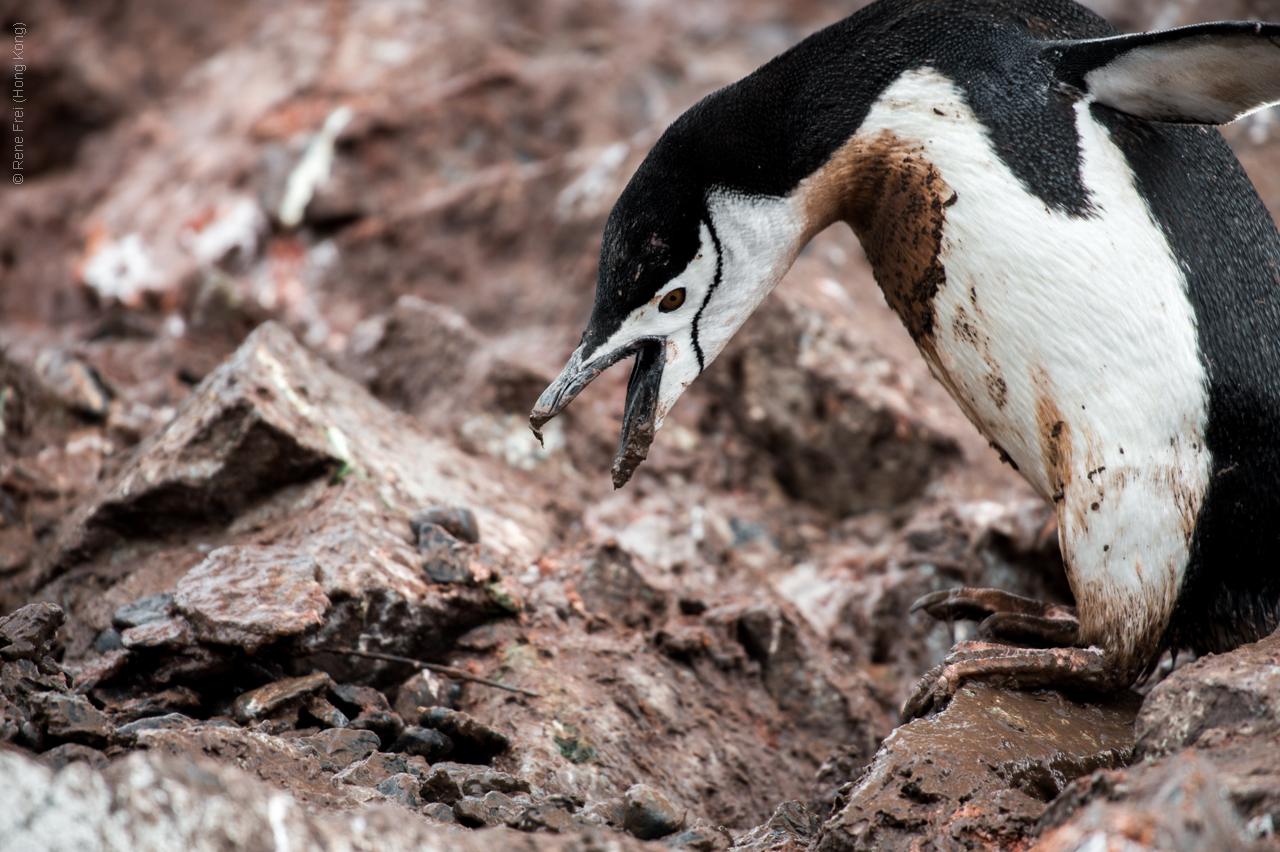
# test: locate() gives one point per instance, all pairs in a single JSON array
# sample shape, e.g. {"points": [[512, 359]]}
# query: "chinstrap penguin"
{"points": [[1086, 269]]}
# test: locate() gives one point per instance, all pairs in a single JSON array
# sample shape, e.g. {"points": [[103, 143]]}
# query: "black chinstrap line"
{"points": [[697, 347]]}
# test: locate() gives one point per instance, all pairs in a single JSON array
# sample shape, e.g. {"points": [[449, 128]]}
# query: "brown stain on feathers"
{"points": [[1055, 445], [895, 200]]}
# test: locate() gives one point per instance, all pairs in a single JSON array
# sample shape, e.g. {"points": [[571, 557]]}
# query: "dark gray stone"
{"points": [[403, 788], [108, 641], [424, 742], [143, 610], [457, 521], [445, 559], [648, 814], [473, 742]]}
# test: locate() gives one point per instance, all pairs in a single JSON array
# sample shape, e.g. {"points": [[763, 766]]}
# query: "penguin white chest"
{"points": [[1070, 343]]}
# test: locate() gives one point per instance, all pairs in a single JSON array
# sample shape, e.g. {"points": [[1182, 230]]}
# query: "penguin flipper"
{"points": [[1201, 74]]}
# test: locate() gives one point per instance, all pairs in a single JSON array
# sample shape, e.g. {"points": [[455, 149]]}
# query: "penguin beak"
{"points": [[640, 419]]}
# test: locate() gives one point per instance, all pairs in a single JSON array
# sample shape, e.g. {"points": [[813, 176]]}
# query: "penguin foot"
{"points": [[1005, 617], [1079, 669]]}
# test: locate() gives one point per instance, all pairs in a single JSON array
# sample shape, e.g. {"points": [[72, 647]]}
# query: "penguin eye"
{"points": [[672, 300]]}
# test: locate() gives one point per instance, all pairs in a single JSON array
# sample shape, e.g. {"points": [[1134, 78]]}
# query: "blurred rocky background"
{"points": [[276, 297]]}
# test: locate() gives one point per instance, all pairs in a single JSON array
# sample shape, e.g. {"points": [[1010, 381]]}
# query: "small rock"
{"points": [[261, 702], [618, 587], [648, 814], [124, 704], [449, 782], [424, 689], [163, 633], [605, 812], [153, 723], [386, 724], [59, 757], [445, 559], [250, 596], [494, 809], [439, 812], [403, 788], [545, 816], [73, 382], [374, 769], [790, 829], [27, 633], [457, 521], [339, 748], [88, 676], [355, 700], [325, 713], [702, 837], [426, 743], [25, 677], [143, 610], [108, 641], [72, 717], [473, 742]]}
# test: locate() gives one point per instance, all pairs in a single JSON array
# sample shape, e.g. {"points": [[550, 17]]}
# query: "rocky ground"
{"points": [[282, 568]]}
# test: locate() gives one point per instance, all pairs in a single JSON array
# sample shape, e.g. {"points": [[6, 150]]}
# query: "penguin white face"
{"points": [[743, 248]]}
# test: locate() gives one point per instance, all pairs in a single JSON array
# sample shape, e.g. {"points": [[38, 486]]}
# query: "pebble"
{"points": [[325, 713], [424, 742], [403, 788], [648, 814], [153, 723], [164, 633], [473, 741], [143, 610], [439, 812], [457, 521], [339, 748], [72, 717], [27, 633], [59, 757], [261, 702], [385, 723], [449, 782], [493, 809], [444, 558], [108, 641], [378, 767]]}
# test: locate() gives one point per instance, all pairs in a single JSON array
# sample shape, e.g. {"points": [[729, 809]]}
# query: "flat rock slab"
{"points": [[252, 595], [981, 771]]}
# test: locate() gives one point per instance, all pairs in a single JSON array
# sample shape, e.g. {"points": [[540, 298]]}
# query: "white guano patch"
{"points": [[1085, 322]]}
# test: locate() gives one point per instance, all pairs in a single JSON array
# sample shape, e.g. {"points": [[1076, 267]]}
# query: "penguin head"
{"points": [[684, 262]]}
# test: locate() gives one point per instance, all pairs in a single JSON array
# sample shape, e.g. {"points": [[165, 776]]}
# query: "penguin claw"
{"points": [[1085, 670], [977, 604]]}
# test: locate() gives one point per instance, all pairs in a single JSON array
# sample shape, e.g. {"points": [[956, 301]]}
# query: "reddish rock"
{"points": [[982, 771], [28, 633], [251, 596], [265, 700]]}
